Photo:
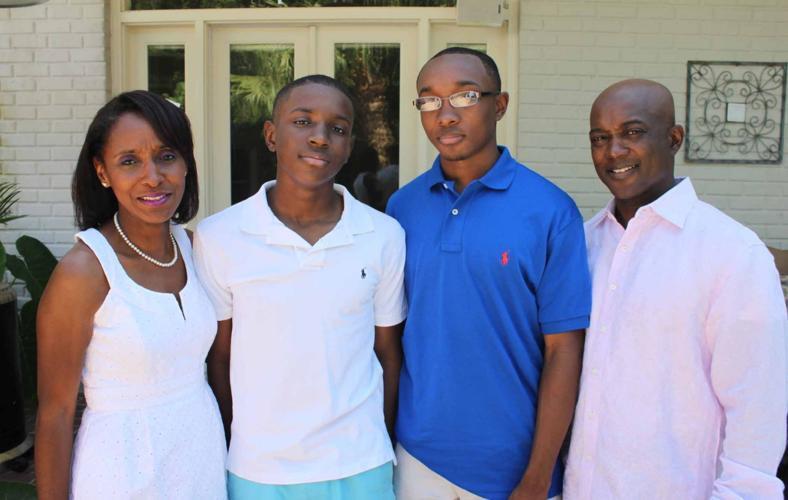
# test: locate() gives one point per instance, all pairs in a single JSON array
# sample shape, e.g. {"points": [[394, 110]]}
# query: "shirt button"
{"points": [[624, 248], [594, 371], [454, 211], [603, 328], [613, 286]]}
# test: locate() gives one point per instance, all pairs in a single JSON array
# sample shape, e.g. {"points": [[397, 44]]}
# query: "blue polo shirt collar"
{"points": [[260, 219], [499, 177]]}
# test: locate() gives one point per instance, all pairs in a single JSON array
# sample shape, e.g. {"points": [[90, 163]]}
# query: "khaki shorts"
{"points": [[414, 481]]}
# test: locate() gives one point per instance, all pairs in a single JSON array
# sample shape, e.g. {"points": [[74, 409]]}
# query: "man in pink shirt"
{"points": [[683, 390]]}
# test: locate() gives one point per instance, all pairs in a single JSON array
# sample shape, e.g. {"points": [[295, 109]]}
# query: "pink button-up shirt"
{"points": [[683, 391]]}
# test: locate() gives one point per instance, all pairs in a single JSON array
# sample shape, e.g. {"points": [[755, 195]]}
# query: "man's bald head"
{"points": [[652, 96]]}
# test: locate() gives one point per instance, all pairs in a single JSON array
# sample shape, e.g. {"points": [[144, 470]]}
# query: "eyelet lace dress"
{"points": [[151, 429]]}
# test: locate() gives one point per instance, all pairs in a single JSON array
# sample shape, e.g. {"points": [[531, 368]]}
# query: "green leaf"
{"points": [[9, 195], [19, 270], [40, 262]]}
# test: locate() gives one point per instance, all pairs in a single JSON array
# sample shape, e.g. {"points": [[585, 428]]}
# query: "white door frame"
{"points": [[201, 31]]}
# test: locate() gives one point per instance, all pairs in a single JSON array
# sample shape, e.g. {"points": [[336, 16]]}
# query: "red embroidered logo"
{"points": [[505, 258]]}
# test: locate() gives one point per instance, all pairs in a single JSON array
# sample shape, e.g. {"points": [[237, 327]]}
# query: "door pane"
{"points": [[219, 4], [372, 72], [257, 72], [166, 72]]}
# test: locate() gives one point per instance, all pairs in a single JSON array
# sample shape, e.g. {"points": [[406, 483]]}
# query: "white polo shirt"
{"points": [[307, 387]]}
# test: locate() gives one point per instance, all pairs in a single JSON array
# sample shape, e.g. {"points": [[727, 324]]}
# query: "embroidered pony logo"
{"points": [[363, 273], [505, 258]]}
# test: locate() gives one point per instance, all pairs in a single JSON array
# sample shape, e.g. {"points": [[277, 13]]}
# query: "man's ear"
{"points": [[501, 104], [676, 133], [269, 132]]}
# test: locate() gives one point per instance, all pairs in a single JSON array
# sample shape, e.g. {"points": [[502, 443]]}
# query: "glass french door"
{"points": [[248, 67], [225, 70]]}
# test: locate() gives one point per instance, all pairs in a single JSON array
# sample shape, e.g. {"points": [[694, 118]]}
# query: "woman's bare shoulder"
{"points": [[80, 269]]}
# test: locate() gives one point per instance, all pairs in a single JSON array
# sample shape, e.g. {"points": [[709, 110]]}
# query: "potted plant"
{"points": [[12, 407], [32, 266]]}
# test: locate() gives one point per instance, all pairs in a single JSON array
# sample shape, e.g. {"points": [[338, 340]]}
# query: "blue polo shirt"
{"points": [[488, 272]]}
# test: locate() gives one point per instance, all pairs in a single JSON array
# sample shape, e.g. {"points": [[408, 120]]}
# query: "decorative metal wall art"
{"points": [[735, 112]]}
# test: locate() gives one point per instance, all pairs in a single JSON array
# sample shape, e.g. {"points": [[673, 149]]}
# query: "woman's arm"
{"points": [[219, 373], [64, 326]]}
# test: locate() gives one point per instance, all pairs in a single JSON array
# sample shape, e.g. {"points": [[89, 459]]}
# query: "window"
{"points": [[235, 4]]}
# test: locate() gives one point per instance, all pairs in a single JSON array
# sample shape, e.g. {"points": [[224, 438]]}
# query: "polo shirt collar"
{"points": [[499, 177], [674, 206], [258, 218]]}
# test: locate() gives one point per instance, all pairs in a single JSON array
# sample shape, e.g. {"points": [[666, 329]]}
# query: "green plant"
{"points": [[33, 269], [9, 195]]}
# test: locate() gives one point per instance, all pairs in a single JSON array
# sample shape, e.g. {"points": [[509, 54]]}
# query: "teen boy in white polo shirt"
{"points": [[307, 282]]}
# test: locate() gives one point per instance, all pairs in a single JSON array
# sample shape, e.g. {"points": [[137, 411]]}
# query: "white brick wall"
{"points": [[572, 50], [53, 78]]}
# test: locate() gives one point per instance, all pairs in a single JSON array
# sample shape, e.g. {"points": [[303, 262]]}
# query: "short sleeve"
{"points": [[391, 205], [564, 291], [390, 304], [205, 262]]}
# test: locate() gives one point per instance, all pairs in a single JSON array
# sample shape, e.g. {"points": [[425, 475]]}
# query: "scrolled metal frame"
{"points": [[711, 138]]}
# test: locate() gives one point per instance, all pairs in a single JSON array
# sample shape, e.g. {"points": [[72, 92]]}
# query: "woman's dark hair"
{"points": [[95, 204]]}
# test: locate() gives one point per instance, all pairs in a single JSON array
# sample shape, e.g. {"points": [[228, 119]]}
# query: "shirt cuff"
{"points": [[565, 325], [391, 320]]}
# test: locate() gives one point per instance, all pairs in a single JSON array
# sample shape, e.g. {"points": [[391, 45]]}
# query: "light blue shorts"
{"points": [[375, 483]]}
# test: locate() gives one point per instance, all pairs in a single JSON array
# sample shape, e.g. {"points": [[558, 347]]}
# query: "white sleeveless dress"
{"points": [[151, 429]]}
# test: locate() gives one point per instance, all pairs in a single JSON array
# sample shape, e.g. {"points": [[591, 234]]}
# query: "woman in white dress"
{"points": [[125, 314]]}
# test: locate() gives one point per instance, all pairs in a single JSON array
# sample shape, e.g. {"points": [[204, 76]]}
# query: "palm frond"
{"points": [[9, 195]]}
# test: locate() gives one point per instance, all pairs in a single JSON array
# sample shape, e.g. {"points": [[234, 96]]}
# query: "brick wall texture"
{"points": [[571, 50], [53, 79]]}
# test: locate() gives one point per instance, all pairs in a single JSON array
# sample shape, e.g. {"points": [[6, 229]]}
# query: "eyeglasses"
{"points": [[459, 100]]}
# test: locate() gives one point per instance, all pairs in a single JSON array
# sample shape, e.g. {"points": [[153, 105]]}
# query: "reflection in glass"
{"points": [[166, 72], [257, 72], [372, 72], [220, 4]]}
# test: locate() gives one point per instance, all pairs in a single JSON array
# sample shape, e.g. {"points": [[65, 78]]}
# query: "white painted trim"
{"points": [[379, 15]]}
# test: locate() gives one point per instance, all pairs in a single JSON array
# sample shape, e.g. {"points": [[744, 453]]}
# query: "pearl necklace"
{"points": [[143, 254]]}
